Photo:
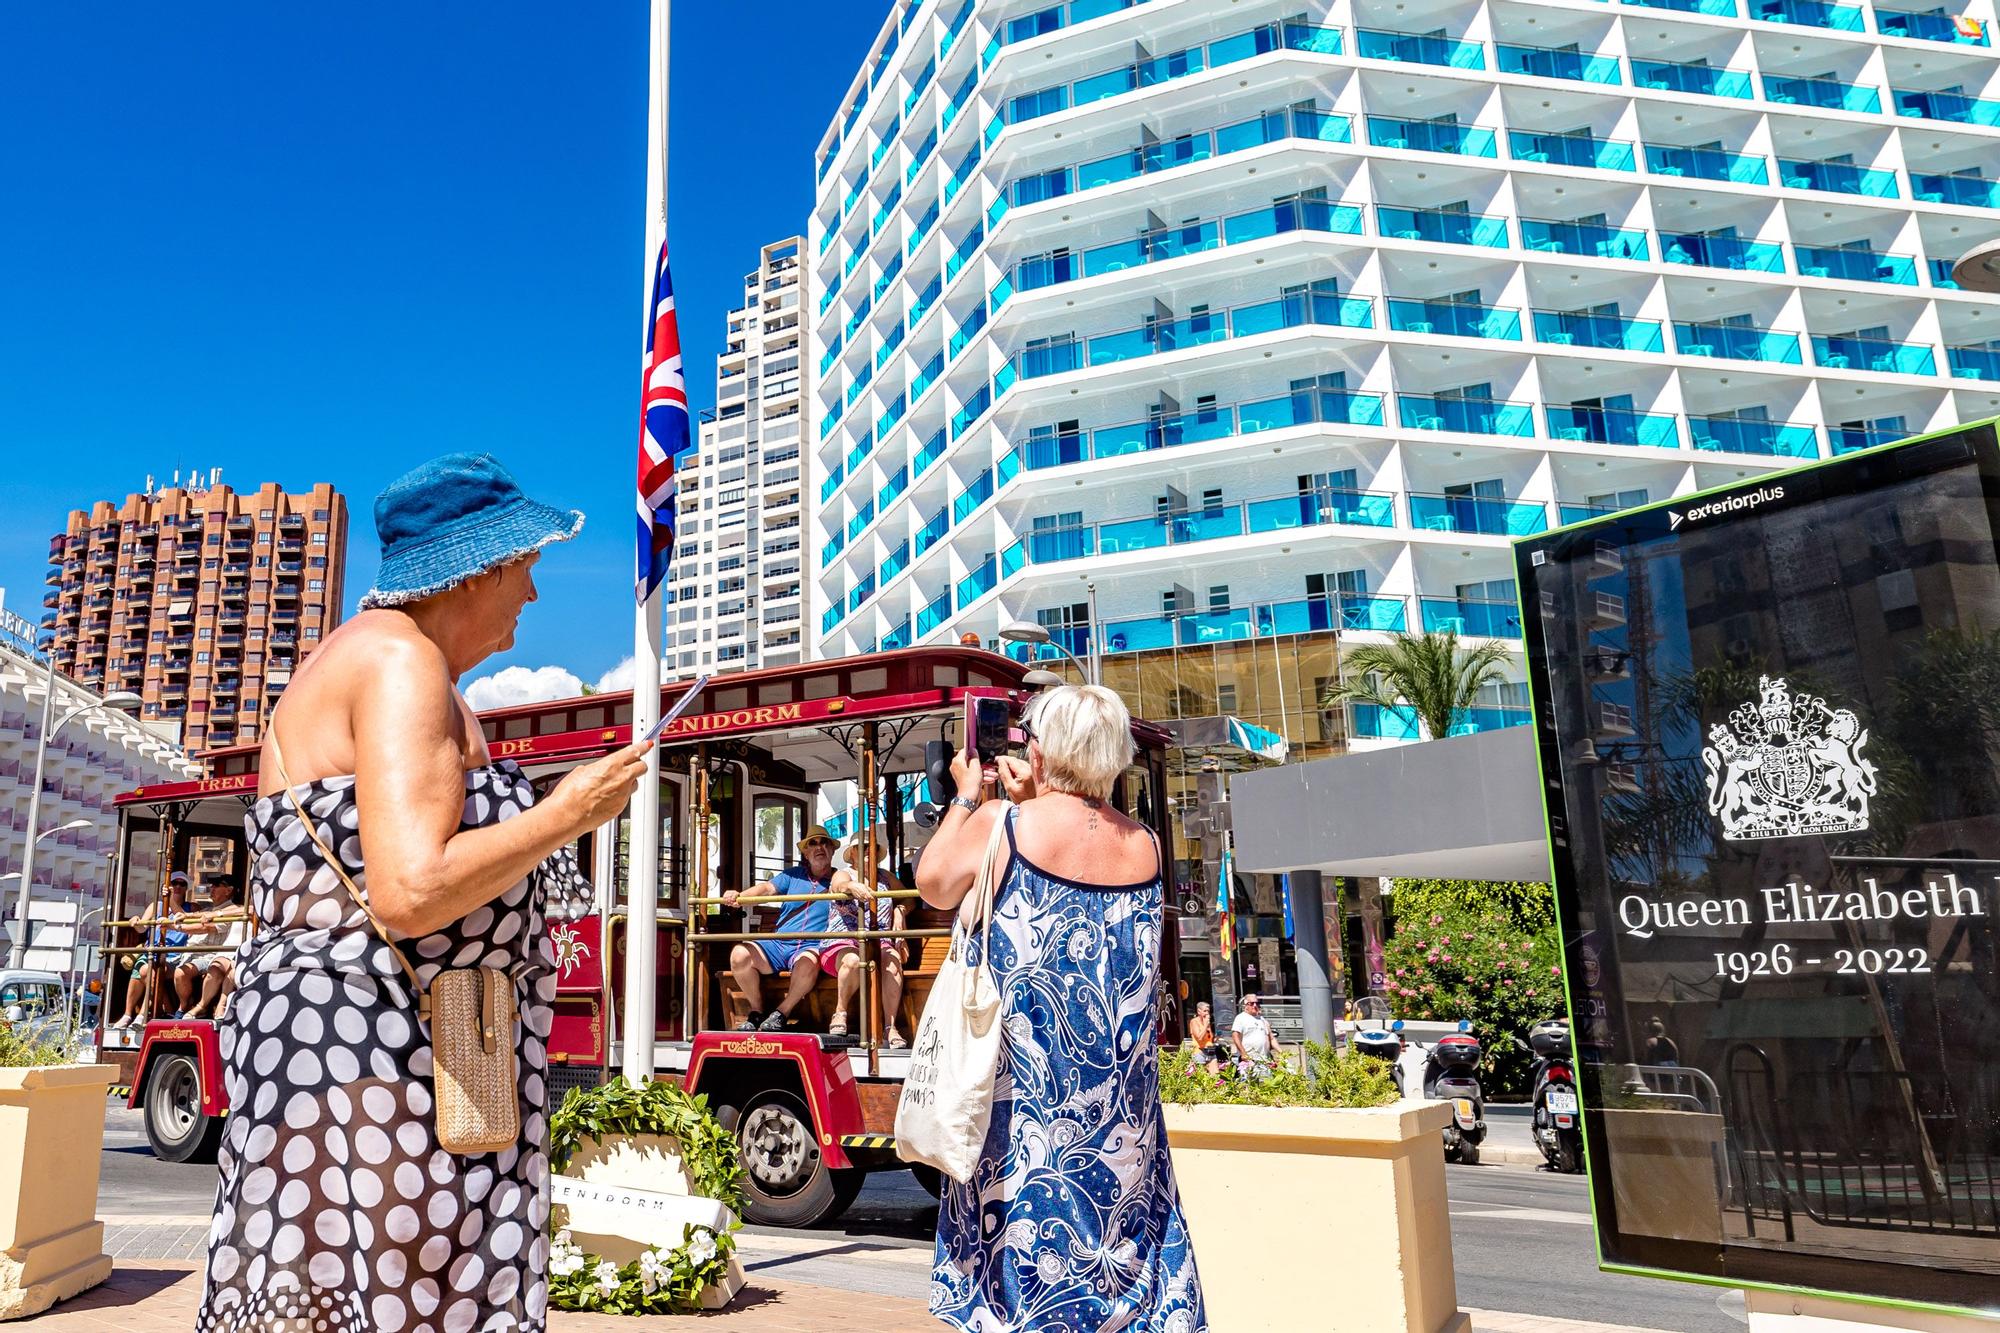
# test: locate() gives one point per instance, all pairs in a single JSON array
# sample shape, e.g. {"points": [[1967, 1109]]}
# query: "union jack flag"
{"points": [[663, 435]]}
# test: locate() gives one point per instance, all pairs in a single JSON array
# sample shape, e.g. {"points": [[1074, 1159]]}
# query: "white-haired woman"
{"points": [[1072, 1219]]}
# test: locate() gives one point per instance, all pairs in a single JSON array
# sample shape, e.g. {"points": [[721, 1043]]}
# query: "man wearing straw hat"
{"points": [[750, 963], [868, 910]]}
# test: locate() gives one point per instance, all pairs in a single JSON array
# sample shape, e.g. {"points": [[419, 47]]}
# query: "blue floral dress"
{"points": [[1072, 1221]]}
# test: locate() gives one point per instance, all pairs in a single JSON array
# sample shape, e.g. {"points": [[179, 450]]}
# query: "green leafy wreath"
{"points": [[662, 1280]]}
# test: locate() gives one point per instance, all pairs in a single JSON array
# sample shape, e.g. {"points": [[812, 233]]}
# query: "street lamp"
{"points": [[17, 954], [1022, 631], [1978, 269]]}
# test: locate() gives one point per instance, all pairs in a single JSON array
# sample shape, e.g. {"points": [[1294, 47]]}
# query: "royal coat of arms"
{"points": [[1788, 766]]}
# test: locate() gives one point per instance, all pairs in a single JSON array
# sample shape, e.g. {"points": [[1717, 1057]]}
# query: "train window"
{"points": [[944, 677], [730, 700], [822, 687], [777, 692], [780, 821], [586, 718], [517, 727], [872, 681]]}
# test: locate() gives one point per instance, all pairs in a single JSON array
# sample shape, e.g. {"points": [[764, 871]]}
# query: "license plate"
{"points": [[1562, 1102]]}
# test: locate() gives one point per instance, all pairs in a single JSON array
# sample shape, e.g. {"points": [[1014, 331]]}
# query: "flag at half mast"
{"points": [[663, 435]]}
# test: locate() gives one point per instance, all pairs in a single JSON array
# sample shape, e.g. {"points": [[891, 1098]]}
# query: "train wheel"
{"points": [[176, 1126], [786, 1181]]}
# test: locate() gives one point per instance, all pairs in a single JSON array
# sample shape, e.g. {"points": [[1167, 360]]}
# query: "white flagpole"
{"points": [[643, 861]]}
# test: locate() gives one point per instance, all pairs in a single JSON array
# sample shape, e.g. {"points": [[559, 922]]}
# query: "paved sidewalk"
{"points": [[147, 1296]]}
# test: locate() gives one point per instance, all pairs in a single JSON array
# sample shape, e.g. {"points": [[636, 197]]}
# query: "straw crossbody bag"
{"points": [[470, 1012]]}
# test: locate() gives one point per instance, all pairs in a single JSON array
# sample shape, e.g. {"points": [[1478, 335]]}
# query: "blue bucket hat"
{"points": [[453, 518]]}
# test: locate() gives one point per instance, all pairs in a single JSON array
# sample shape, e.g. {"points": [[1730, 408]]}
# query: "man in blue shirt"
{"points": [[750, 963]]}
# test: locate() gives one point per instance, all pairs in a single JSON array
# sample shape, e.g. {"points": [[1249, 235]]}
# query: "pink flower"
{"points": [[1432, 958], [1506, 981], [1437, 920], [1529, 991], [1446, 958], [1555, 971], [1400, 972]]}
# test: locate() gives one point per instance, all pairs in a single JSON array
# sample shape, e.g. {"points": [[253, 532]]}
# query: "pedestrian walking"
{"points": [[1256, 1046], [865, 909], [382, 817], [1071, 1219]]}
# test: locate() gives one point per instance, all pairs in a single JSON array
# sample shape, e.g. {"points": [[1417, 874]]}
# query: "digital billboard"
{"points": [[1768, 718]]}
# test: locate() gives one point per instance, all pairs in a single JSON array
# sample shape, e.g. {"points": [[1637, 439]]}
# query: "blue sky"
{"points": [[323, 243]]}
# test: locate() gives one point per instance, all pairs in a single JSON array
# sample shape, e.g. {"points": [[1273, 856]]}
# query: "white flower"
{"points": [[606, 1273], [563, 1240], [563, 1262], [654, 1271], [701, 1248]]}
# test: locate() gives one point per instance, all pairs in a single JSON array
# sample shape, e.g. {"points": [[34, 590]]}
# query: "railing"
{"points": [[1243, 518], [1443, 226], [1847, 439], [1931, 26], [1854, 265], [1723, 252], [1417, 49], [1736, 342], [1459, 615], [1057, 17], [1375, 722], [1457, 319], [1844, 352], [1572, 150], [1474, 416], [1739, 435], [1809, 13], [1556, 62], [1707, 80], [1958, 108], [1974, 190], [1837, 178], [934, 614], [1584, 238], [1162, 336], [1608, 332], [1432, 136], [1713, 164], [1830, 94], [982, 580], [1611, 425], [1713, 8], [1306, 407], [1495, 516], [1974, 363]]}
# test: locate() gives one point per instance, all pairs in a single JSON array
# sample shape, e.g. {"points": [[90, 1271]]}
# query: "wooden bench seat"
{"points": [[926, 956]]}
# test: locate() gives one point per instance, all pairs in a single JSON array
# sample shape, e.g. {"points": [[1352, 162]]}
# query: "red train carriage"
{"points": [[758, 757]]}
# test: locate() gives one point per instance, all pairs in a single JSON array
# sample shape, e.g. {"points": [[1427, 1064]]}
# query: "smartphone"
{"points": [[680, 706], [986, 722]]}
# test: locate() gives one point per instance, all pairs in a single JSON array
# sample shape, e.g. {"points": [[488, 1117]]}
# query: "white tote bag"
{"points": [[948, 1097]]}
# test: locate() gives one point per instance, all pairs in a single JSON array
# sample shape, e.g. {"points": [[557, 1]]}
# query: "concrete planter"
{"points": [[1669, 1180], [637, 1161], [51, 1138], [1275, 1194]]}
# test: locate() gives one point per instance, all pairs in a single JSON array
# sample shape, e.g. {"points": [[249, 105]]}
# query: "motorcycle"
{"points": [[1384, 1044], [1451, 1074], [1558, 1120]]}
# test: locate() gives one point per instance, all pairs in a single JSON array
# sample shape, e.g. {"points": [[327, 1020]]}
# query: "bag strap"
{"points": [[360, 899], [984, 885]]}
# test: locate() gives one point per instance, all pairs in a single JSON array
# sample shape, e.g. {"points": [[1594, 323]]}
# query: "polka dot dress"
{"points": [[337, 1210]]}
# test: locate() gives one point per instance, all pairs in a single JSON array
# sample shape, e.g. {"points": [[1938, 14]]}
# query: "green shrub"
{"points": [[25, 1052], [1482, 964], [1329, 1078]]}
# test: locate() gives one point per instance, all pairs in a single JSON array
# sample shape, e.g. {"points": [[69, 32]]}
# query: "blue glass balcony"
{"points": [[1316, 308], [1711, 164], [833, 547], [1441, 225], [1350, 611], [1848, 439], [926, 375], [1974, 363], [1848, 352], [1713, 8], [1817, 261], [1474, 416], [1724, 252], [928, 454], [1418, 49], [1140, 634], [1809, 13], [1955, 107], [1469, 720], [1456, 319], [1478, 513], [862, 592], [1584, 238], [1487, 619], [1374, 722], [1837, 178], [1932, 25], [1741, 435], [899, 637], [1174, 242], [898, 560], [831, 617], [862, 518], [1303, 215], [934, 614], [832, 482], [1708, 80], [1556, 62], [1613, 333], [933, 529], [1573, 150], [973, 496], [1831, 94], [982, 580], [1941, 270], [1270, 127], [1583, 423], [1333, 406], [1567, 514], [1432, 136], [1360, 509], [1737, 342], [1977, 191]]}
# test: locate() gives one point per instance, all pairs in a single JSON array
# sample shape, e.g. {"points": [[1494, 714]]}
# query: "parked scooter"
{"points": [[1385, 1044], [1451, 1074], [1558, 1120]]}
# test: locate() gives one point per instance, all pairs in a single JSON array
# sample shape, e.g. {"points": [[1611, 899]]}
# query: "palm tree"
{"points": [[1427, 673]]}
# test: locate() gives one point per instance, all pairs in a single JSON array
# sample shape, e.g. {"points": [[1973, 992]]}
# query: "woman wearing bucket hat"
{"points": [[336, 1202]]}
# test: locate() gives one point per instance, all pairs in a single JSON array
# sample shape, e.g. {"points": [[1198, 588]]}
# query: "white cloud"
{"points": [[522, 685], [620, 676]]}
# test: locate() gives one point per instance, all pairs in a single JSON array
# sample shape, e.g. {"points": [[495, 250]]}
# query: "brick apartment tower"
{"points": [[201, 600]]}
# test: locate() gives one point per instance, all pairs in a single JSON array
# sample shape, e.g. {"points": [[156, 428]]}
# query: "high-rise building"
{"points": [[1208, 334], [739, 587], [199, 598]]}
